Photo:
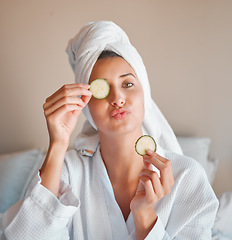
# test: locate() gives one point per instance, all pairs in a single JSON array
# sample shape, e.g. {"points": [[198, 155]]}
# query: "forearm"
{"points": [[62, 110], [50, 172]]}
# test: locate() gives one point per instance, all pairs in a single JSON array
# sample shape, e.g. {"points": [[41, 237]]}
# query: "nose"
{"points": [[117, 98]]}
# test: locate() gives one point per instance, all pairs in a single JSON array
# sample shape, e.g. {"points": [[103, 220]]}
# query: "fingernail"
{"points": [[149, 151]]}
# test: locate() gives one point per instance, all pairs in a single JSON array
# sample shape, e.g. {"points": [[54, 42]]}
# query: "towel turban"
{"points": [[83, 51]]}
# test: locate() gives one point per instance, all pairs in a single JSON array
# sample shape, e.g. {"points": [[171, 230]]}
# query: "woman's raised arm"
{"points": [[62, 110]]}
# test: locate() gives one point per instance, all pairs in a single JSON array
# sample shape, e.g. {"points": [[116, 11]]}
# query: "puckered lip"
{"points": [[119, 111]]}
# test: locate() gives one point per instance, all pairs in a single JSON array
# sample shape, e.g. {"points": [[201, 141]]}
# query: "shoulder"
{"points": [[191, 181], [183, 165], [75, 160], [74, 165], [73, 157], [192, 199], [189, 176]]}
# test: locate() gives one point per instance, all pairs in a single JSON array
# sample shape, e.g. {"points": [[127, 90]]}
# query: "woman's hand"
{"points": [[150, 190], [62, 110]]}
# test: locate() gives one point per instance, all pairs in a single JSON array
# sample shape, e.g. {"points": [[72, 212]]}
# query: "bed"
{"points": [[17, 170]]}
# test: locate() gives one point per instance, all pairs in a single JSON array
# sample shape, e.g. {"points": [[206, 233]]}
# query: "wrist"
{"points": [[59, 145], [55, 156]]}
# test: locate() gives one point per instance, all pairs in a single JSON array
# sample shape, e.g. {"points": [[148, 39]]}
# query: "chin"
{"points": [[121, 129]]}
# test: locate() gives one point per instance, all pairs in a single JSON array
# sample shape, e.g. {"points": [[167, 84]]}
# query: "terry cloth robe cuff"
{"points": [[63, 206], [156, 233], [56, 213]]}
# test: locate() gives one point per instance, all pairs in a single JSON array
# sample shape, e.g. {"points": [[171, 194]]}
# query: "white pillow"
{"points": [[212, 169], [222, 228], [16, 172], [198, 149]]}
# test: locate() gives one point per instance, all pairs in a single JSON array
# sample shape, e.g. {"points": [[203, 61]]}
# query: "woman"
{"points": [[103, 189]]}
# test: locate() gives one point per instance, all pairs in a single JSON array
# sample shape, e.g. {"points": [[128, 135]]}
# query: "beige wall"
{"points": [[186, 47]]}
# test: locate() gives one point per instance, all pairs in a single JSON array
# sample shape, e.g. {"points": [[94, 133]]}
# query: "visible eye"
{"points": [[127, 85]]}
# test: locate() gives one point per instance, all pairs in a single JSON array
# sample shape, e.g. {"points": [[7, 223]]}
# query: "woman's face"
{"points": [[122, 111]]}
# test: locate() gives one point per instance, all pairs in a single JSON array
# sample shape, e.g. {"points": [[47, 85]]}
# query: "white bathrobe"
{"points": [[86, 208]]}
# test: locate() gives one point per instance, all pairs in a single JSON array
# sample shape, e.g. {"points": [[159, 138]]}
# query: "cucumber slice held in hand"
{"points": [[100, 88], [144, 143]]}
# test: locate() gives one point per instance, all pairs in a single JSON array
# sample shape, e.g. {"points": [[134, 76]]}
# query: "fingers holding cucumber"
{"points": [[145, 143], [68, 90], [161, 180], [63, 108]]}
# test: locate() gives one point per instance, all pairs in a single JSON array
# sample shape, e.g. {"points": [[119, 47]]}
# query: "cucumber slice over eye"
{"points": [[100, 88], [144, 143]]}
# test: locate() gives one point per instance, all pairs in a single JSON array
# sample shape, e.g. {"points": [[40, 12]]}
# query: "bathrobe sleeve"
{"points": [[42, 215], [189, 211]]}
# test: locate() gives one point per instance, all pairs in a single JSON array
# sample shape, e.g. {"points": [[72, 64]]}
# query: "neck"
{"points": [[122, 162]]}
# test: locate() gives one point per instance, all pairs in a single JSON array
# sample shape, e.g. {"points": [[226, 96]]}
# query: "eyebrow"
{"points": [[127, 74]]}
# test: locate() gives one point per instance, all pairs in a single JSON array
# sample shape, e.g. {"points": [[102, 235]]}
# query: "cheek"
{"points": [[141, 110], [139, 104], [97, 109]]}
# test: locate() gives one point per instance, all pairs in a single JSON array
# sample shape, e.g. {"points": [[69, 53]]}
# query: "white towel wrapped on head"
{"points": [[83, 51]]}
